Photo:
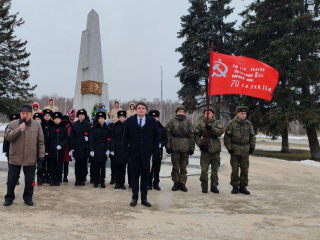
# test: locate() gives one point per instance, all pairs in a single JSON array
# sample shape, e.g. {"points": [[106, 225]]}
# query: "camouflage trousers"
{"points": [[179, 172], [205, 160], [237, 162]]}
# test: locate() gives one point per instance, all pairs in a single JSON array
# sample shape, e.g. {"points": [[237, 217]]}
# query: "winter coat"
{"points": [[25, 146], [114, 115], [116, 143], [66, 157], [99, 140], [36, 111], [6, 145], [139, 143], [45, 129], [131, 112], [52, 108], [163, 142], [77, 138], [58, 135]]}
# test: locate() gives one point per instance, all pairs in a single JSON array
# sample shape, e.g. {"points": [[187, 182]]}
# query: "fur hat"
{"points": [[37, 115], [122, 113], [47, 111], [14, 116], [154, 113], [101, 114], [57, 115], [82, 111]]}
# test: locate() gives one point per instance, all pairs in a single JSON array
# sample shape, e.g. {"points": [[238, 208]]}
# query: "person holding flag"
{"points": [[210, 149]]}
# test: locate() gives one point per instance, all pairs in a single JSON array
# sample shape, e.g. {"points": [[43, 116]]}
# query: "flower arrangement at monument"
{"points": [[72, 114], [99, 107]]}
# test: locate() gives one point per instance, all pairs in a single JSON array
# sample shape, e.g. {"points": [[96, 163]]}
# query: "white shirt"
{"points": [[143, 120]]}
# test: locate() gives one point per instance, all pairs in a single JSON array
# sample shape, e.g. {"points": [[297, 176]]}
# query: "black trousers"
{"points": [[46, 169], [120, 169], [155, 173], [92, 171], [136, 173], [99, 171], [13, 176], [129, 174], [112, 167], [81, 169], [56, 169], [65, 169]]}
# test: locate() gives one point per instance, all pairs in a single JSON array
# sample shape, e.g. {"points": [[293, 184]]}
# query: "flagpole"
{"points": [[208, 97]]}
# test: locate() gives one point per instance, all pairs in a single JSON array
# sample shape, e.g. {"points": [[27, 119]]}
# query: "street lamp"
{"points": [[161, 95]]}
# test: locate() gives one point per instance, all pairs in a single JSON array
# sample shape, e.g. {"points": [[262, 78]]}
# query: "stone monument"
{"points": [[90, 87]]}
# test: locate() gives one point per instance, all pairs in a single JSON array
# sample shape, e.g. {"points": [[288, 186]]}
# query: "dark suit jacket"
{"points": [[140, 143]]}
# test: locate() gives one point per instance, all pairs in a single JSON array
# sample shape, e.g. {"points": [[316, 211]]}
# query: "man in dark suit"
{"points": [[140, 141]]}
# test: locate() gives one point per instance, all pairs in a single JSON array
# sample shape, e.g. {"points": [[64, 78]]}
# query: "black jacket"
{"points": [[163, 141], [116, 143], [99, 139], [77, 138], [58, 135], [45, 129], [140, 143], [6, 145]]}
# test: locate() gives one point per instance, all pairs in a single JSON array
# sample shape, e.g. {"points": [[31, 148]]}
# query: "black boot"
{"points": [[214, 190], [234, 190], [183, 187], [112, 181], [65, 179], [176, 187], [57, 183], [39, 182], [157, 187], [123, 187], [244, 190], [149, 187], [95, 185], [52, 183], [103, 185], [77, 184], [205, 190], [117, 186]]}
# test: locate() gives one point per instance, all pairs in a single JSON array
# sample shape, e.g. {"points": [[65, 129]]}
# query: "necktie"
{"points": [[140, 122]]}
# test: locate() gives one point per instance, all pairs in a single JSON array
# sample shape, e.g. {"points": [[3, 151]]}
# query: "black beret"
{"points": [[122, 113], [47, 111], [37, 115], [25, 108], [57, 115], [101, 114], [154, 113], [14, 116], [82, 111]]}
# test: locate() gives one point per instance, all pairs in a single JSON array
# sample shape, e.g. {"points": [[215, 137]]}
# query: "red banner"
{"points": [[241, 75]]}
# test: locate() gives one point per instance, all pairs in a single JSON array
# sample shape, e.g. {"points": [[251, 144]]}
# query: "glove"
{"points": [[203, 148], [58, 147], [108, 153], [191, 152], [251, 150], [208, 127], [47, 154], [112, 153], [231, 151], [71, 153], [169, 151], [92, 153], [86, 138]]}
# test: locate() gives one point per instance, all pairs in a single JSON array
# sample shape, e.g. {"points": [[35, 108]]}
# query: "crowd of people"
{"points": [[133, 140]]}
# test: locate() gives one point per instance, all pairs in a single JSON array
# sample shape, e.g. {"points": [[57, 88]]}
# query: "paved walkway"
{"points": [[284, 204]]}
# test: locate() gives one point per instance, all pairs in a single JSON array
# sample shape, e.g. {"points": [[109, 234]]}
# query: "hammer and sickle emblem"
{"points": [[220, 72]]}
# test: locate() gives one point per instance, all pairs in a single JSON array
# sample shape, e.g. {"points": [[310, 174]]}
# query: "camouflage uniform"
{"points": [[214, 148], [240, 137], [181, 141]]}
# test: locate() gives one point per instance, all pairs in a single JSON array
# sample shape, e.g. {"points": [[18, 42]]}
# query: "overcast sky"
{"points": [[136, 36]]}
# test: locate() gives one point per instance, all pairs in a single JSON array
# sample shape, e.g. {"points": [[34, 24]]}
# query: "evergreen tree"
{"points": [[285, 35], [14, 88], [204, 24]]}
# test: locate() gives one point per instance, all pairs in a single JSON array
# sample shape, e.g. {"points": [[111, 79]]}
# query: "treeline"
{"points": [[281, 33]]}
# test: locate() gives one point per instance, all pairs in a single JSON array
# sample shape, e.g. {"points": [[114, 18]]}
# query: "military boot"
{"points": [[234, 190], [95, 185], [214, 190], [205, 190], [183, 187], [103, 185], [244, 190], [117, 186], [176, 187]]}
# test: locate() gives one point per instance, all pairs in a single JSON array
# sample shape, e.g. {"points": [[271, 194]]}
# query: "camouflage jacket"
{"points": [[180, 134], [214, 144], [239, 136]]}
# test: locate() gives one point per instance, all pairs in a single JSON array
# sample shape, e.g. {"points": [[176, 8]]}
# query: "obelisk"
{"points": [[90, 87]]}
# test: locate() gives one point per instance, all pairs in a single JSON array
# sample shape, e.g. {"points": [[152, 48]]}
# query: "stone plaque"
{"points": [[91, 87]]}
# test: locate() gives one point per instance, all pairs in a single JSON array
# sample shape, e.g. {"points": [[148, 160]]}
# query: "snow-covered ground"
{"points": [[290, 137], [3, 126]]}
